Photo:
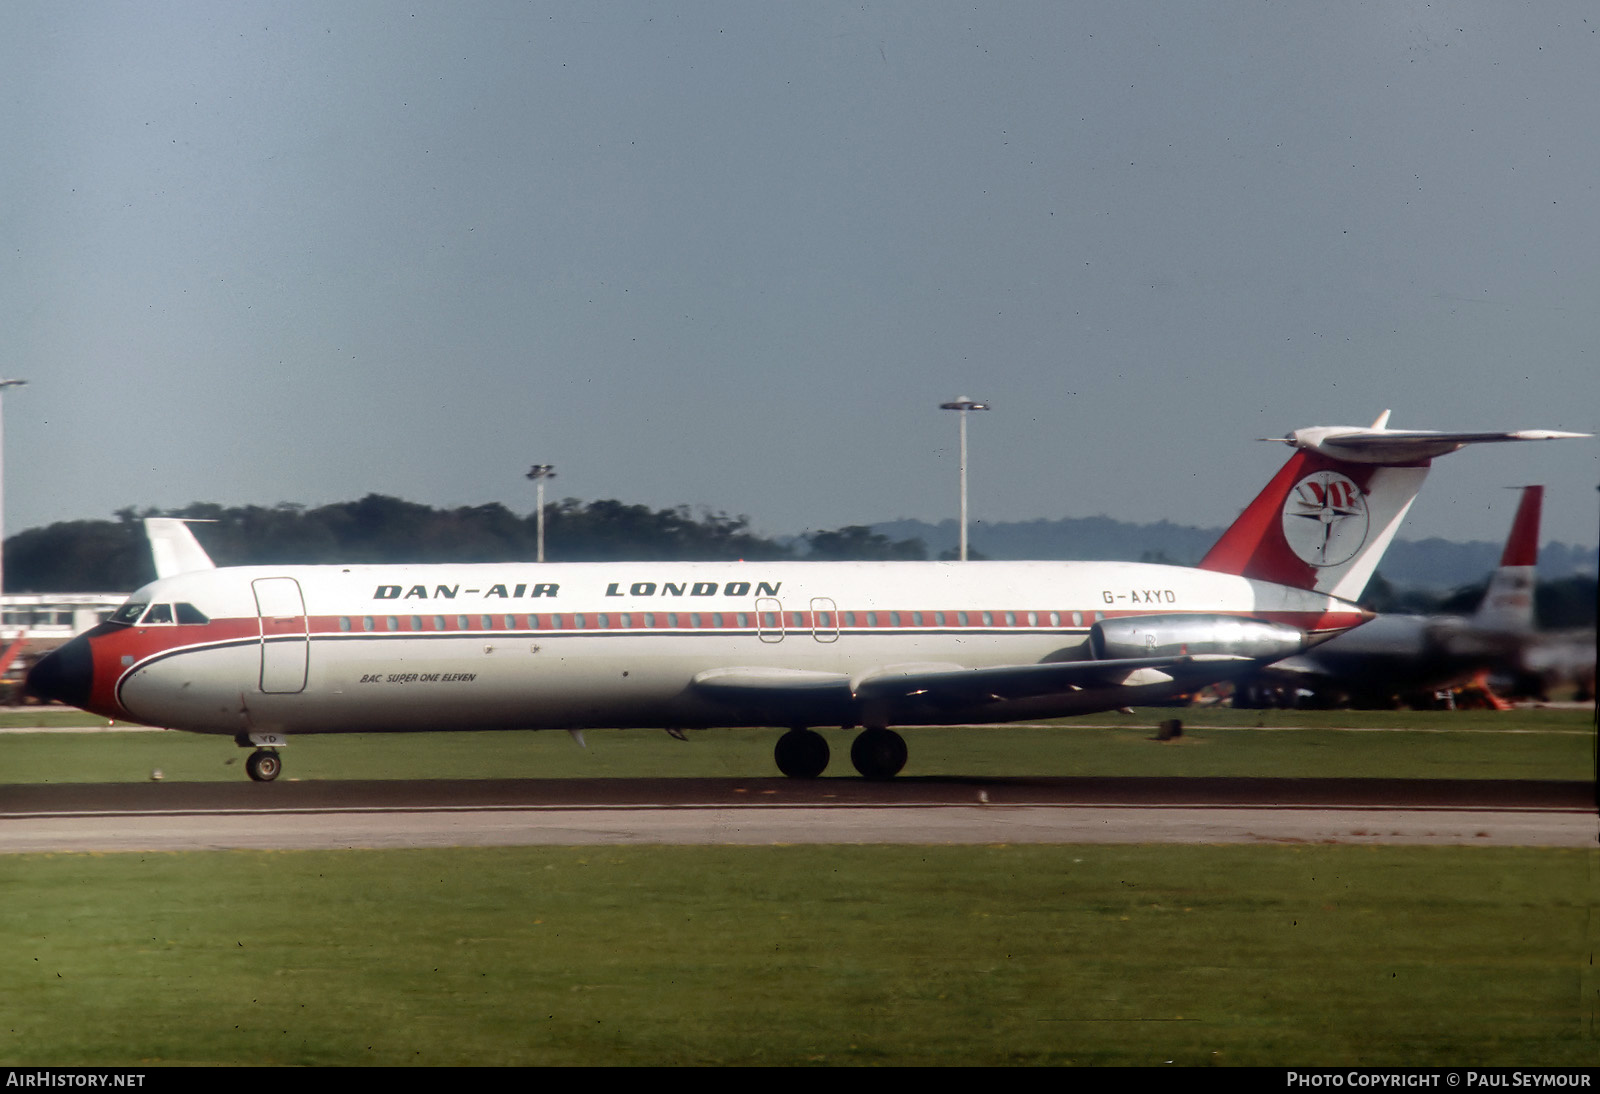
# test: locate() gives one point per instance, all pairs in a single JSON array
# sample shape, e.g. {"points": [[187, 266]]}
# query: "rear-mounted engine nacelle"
{"points": [[1176, 635]]}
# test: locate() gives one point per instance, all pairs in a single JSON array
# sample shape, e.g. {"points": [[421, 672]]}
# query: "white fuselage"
{"points": [[321, 649]]}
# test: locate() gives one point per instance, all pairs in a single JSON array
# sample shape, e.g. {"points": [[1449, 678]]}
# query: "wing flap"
{"points": [[755, 682], [953, 683], [1004, 682]]}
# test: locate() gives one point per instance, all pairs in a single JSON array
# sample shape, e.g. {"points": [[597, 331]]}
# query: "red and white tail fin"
{"points": [[1327, 516], [1508, 602]]}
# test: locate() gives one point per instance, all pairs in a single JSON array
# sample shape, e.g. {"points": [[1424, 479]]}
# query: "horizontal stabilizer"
{"points": [[1403, 446]]}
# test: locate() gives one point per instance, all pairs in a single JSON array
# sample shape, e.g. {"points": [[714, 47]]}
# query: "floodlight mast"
{"points": [[538, 473], [964, 404], [3, 385]]}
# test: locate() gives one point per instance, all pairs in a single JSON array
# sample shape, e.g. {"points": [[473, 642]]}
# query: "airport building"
{"points": [[33, 624], [45, 620]]}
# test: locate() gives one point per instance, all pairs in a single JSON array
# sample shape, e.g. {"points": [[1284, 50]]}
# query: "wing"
{"points": [[796, 690]]}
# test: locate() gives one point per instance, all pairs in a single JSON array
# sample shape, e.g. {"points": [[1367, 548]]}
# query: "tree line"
{"points": [[113, 555]]}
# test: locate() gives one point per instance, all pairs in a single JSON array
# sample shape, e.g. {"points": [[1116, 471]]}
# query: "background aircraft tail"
{"points": [[1508, 602], [174, 548], [1326, 518]]}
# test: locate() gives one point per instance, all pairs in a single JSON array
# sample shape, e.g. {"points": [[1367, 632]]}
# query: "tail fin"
{"points": [[1508, 603], [1327, 516], [174, 547]]}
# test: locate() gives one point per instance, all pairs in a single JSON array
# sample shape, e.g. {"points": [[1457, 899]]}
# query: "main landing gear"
{"points": [[801, 753], [877, 753]]}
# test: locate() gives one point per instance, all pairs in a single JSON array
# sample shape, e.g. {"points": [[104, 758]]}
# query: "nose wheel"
{"points": [[264, 765]]}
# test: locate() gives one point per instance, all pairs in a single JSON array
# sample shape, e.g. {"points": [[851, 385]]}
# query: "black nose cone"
{"points": [[65, 674]]}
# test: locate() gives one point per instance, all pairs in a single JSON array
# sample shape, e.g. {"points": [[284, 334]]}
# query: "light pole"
{"points": [[963, 404], [3, 385], [538, 473]]}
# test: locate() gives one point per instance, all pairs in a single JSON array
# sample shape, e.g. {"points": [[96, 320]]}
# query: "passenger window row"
{"points": [[580, 621]]}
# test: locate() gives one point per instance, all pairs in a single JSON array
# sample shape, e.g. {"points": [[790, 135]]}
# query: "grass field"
{"points": [[1224, 955], [802, 955], [1521, 744]]}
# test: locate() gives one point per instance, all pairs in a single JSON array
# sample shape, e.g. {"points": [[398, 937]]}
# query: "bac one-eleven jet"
{"points": [[262, 653]]}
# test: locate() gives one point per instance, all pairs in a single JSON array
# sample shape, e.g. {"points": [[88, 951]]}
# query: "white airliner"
{"points": [[262, 653]]}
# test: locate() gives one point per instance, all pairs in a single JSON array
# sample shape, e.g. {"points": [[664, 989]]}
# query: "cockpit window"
{"points": [[129, 613], [158, 613], [188, 613]]}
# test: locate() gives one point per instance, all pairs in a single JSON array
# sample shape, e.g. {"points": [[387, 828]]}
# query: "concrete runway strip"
{"points": [[217, 816]]}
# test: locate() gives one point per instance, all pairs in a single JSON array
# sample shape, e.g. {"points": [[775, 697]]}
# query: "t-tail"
{"points": [[1326, 518], [1508, 602]]}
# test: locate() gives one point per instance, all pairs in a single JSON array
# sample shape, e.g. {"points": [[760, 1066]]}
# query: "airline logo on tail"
{"points": [[1325, 519]]}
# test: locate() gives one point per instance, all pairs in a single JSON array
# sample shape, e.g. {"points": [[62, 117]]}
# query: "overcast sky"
{"points": [[734, 255]]}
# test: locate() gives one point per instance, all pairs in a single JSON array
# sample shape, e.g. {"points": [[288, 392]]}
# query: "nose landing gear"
{"points": [[263, 765]]}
